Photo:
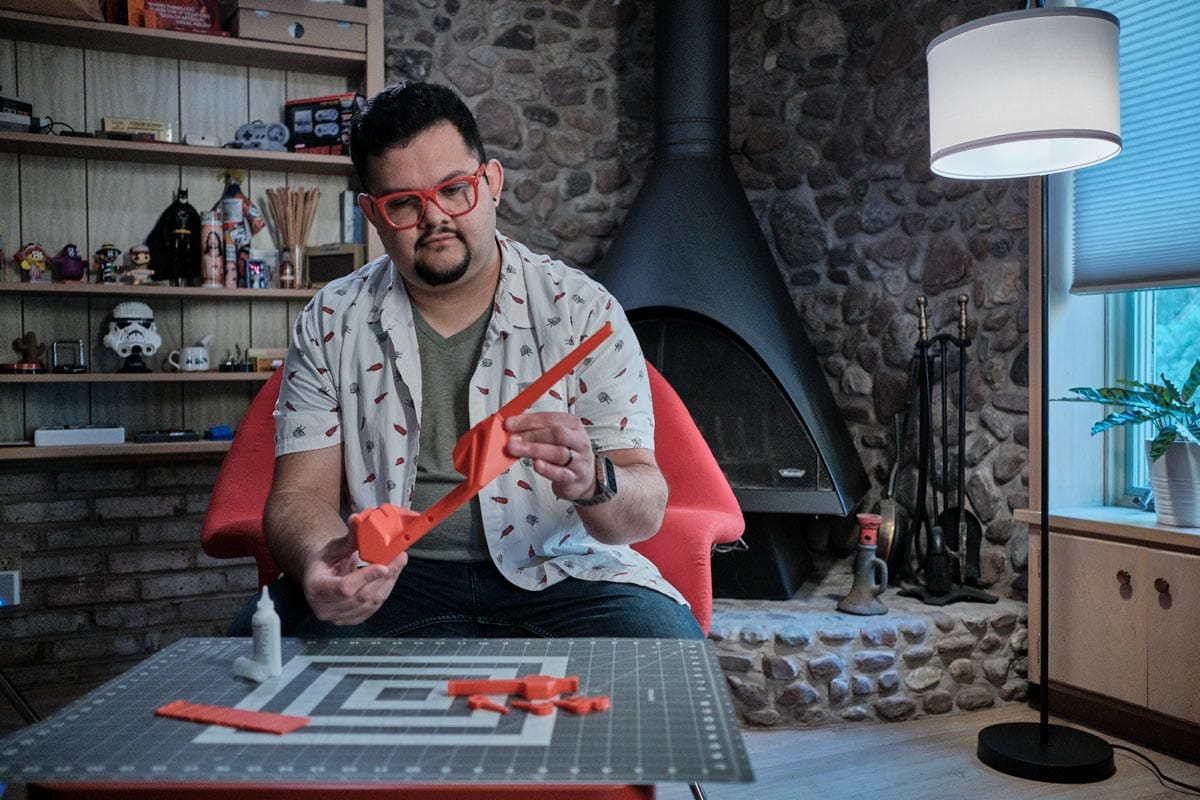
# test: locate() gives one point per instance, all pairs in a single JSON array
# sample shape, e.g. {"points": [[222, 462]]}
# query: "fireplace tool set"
{"points": [[935, 557]]}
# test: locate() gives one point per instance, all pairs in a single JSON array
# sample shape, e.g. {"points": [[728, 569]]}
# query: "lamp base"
{"points": [[1067, 755]]}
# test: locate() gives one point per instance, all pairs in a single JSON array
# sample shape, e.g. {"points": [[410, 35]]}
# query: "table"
{"points": [[382, 720]]}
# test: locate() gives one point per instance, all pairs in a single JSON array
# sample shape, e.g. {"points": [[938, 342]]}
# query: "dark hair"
{"points": [[402, 111]]}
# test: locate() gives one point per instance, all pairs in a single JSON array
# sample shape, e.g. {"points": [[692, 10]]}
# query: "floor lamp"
{"points": [[1017, 95]]}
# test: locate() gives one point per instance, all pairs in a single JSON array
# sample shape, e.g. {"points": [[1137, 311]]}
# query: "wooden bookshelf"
{"points": [[184, 46], [42, 144], [138, 377], [89, 191], [127, 450], [127, 290]]}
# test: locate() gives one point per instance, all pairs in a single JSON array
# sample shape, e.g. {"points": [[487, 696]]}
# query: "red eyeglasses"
{"points": [[455, 197]]}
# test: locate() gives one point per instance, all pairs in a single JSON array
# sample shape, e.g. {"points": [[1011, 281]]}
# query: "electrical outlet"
{"points": [[10, 589], [10, 578]]}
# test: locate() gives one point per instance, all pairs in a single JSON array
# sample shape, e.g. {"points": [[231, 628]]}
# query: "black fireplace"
{"points": [[692, 268]]}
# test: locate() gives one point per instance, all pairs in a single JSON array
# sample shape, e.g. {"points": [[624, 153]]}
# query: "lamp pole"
{"points": [[989, 120]]}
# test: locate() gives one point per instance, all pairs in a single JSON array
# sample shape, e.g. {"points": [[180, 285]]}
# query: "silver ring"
{"points": [[570, 458]]}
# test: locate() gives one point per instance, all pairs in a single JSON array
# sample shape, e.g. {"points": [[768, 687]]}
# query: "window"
{"points": [[1163, 340], [1131, 225]]}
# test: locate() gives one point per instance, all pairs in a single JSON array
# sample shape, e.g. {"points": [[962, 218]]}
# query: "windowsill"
{"points": [[1113, 522]]}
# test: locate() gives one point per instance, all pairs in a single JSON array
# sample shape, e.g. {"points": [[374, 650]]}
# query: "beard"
{"points": [[436, 277]]}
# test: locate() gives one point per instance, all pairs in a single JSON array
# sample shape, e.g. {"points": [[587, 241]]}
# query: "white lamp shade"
{"points": [[1024, 93]]}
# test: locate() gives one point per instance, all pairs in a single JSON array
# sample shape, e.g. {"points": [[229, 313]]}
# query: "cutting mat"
{"points": [[380, 714]]}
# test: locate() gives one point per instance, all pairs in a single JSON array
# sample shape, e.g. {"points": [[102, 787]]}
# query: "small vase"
{"points": [[1175, 480]]}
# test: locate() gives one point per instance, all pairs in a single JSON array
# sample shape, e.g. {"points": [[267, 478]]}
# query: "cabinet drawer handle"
{"points": [[1123, 577], [1162, 586]]}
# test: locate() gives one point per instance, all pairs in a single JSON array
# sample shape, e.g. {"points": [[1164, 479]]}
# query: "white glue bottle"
{"points": [[265, 626]]}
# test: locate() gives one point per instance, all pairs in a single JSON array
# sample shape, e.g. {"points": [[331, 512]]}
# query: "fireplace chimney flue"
{"points": [[693, 270]]}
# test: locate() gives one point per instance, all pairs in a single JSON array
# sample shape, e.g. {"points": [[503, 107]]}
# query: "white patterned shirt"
{"points": [[354, 378]]}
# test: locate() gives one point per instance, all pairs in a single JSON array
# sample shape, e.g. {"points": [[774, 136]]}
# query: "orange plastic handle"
{"points": [[387, 531]]}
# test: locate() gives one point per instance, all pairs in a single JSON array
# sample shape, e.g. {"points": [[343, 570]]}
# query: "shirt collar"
{"points": [[510, 306]]}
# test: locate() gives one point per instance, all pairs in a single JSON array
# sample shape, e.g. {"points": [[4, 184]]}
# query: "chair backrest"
{"points": [[701, 510], [233, 523]]}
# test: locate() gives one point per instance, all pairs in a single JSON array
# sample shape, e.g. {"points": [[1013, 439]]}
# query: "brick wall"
{"points": [[111, 567]]}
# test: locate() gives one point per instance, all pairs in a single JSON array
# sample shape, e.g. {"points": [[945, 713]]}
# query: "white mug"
{"points": [[189, 359]]}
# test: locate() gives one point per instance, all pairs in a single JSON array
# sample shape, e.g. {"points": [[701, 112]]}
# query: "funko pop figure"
{"points": [[139, 264], [106, 263], [35, 267]]}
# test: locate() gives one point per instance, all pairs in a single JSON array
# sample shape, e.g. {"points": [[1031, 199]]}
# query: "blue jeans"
{"points": [[439, 599]]}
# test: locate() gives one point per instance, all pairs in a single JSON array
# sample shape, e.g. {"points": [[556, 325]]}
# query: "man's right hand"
{"points": [[339, 590]]}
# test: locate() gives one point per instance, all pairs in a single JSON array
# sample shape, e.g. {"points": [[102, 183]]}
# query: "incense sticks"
{"points": [[293, 211]]}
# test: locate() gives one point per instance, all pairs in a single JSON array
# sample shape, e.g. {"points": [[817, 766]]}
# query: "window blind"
{"points": [[1136, 218]]}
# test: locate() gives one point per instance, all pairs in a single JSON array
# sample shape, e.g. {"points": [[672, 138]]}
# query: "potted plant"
{"points": [[1174, 451]]}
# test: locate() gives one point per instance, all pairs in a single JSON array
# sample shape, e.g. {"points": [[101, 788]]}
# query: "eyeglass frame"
{"points": [[427, 196]]}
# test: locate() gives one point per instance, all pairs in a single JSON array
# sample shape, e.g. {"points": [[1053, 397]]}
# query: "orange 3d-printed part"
{"points": [[583, 705], [542, 709], [531, 687], [477, 702], [263, 721], [387, 531]]}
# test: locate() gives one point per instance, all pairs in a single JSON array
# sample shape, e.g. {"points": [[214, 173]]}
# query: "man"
{"points": [[390, 365]]}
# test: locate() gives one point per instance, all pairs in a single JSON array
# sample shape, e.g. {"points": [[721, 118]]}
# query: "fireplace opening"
{"points": [[764, 448]]}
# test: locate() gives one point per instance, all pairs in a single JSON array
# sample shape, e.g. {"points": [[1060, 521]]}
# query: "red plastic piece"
{"points": [[533, 707], [531, 687], [583, 705], [387, 531], [263, 721], [478, 702]]}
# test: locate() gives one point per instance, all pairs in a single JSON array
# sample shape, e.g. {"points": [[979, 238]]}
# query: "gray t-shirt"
{"points": [[446, 368]]}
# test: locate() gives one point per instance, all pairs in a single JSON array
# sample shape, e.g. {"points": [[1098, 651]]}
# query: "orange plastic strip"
{"points": [[262, 721], [387, 531]]}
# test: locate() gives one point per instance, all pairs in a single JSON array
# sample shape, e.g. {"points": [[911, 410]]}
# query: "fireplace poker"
{"points": [[935, 560], [959, 519]]}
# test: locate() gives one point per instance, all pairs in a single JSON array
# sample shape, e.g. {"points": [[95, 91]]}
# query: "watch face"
{"points": [[606, 483], [608, 479]]}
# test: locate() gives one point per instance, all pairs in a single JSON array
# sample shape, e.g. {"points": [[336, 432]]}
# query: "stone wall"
{"points": [[800, 662], [829, 126]]}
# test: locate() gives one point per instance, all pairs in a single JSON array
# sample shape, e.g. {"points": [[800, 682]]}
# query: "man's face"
{"points": [[441, 251]]}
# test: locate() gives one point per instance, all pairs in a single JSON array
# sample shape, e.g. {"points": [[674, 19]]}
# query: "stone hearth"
{"points": [[800, 662]]}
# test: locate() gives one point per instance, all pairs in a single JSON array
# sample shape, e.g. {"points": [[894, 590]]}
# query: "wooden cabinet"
{"points": [[1174, 646], [57, 189], [1123, 617]]}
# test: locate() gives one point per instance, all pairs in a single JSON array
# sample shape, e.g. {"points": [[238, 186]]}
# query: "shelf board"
{"points": [[158, 449], [126, 290], [139, 377], [185, 46], [43, 144]]}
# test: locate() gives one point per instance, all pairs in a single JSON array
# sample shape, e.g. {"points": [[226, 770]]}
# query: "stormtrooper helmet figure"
{"points": [[133, 334]]}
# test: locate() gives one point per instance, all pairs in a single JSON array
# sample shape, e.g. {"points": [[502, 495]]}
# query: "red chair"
{"points": [[701, 510]]}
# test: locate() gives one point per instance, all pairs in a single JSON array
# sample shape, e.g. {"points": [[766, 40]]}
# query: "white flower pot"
{"points": [[1175, 479]]}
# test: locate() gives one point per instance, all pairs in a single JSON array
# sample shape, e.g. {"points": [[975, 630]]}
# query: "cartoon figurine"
{"points": [[132, 334], [106, 263], [34, 266], [139, 264], [68, 265]]}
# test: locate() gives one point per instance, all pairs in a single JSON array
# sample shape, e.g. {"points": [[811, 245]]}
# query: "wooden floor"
{"points": [[926, 759]]}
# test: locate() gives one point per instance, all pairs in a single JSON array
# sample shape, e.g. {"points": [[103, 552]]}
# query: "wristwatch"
{"points": [[606, 482]]}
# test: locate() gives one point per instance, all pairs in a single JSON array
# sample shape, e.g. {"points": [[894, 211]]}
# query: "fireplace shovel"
{"points": [[893, 530]]}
